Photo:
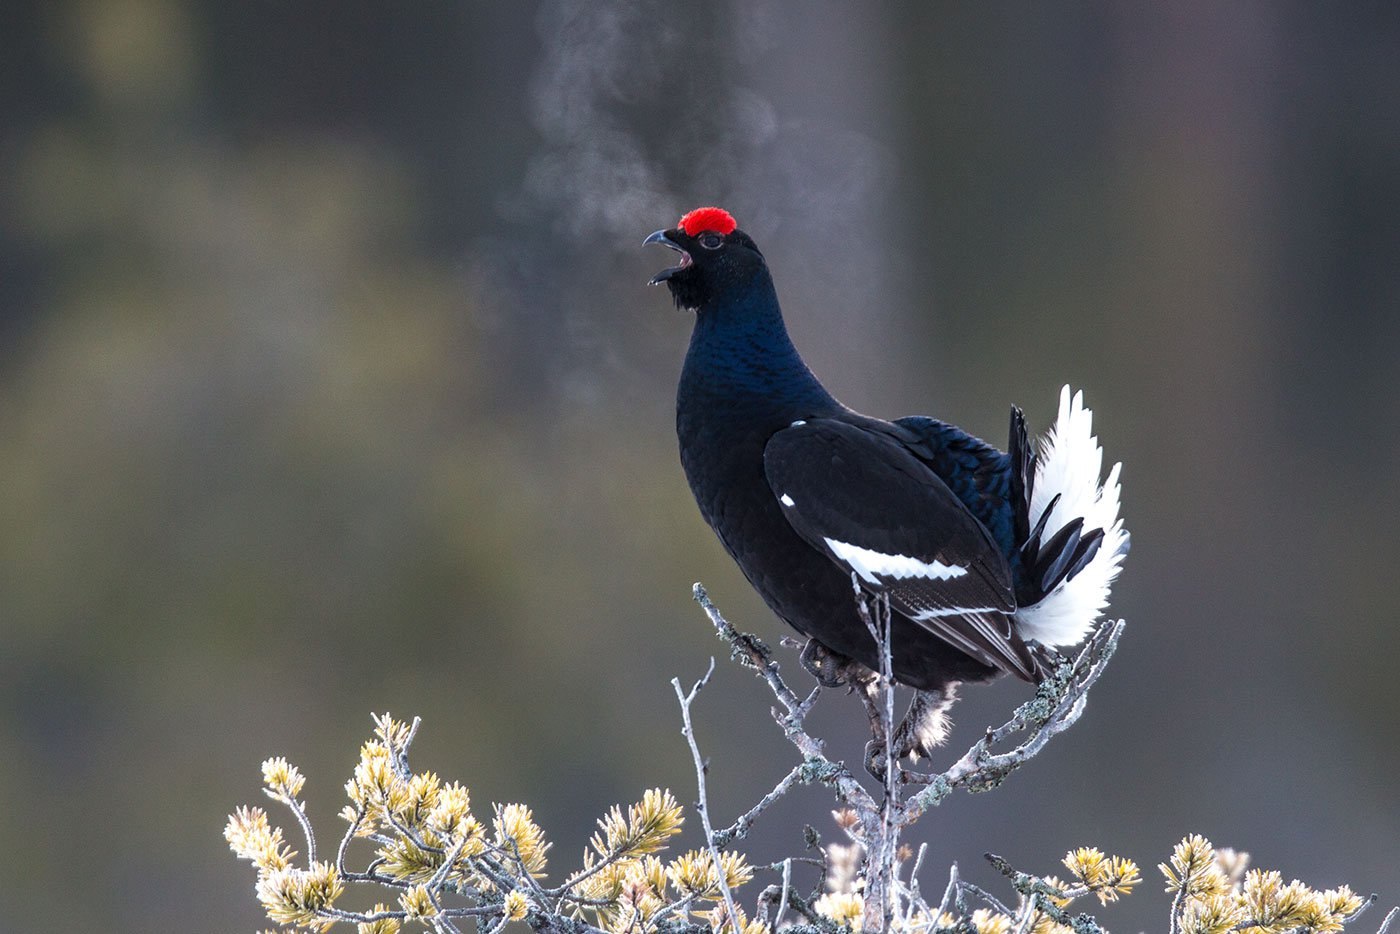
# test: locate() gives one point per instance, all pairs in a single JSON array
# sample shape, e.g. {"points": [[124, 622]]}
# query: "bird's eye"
{"points": [[711, 241]]}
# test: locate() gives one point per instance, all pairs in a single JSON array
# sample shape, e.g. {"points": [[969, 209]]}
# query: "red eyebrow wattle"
{"points": [[717, 219]]}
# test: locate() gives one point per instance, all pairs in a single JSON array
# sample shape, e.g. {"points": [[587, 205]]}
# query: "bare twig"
{"points": [[1058, 704], [914, 897], [787, 890], [816, 766], [702, 806], [299, 810], [950, 893], [880, 905], [740, 828], [345, 840]]}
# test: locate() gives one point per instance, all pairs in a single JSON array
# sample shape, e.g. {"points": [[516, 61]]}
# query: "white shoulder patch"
{"points": [[786, 500], [1069, 465], [869, 563]]}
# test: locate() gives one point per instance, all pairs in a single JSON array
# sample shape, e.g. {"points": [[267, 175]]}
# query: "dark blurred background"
{"points": [[329, 384]]}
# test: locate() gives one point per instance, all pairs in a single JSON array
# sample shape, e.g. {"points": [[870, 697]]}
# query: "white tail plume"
{"points": [[1068, 465]]}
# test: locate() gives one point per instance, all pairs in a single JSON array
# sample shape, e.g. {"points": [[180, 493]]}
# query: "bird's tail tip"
{"points": [[1077, 542]]}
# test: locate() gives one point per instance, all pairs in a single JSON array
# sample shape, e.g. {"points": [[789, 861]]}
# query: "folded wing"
{"points": [[860, 497]]}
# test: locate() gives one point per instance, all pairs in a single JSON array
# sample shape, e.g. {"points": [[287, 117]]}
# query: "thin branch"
{"points": [[703, 804], [748, 649], [977, 892], [950, 893], [787, 890], [915, 897], [440, 876], [679, 907], [442, 923], [817, 767], [523, 871], [1058, 704], [886, 834], [345, 840], [1043, 895], [1178, 907], [407, 831], [298, 809], [740, 828], [583, 875], [500, 925]]}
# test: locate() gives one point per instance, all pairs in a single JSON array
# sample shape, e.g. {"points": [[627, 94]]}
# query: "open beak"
{"points": [[663, 237]]}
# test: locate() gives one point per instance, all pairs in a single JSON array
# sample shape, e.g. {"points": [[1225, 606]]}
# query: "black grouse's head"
{"points": [[716, 257]]}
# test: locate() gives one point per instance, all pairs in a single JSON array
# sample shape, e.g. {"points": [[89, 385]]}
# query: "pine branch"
{"points": [[440, 866]]}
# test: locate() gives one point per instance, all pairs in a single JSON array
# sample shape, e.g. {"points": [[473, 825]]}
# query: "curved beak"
{"points": [[664, 237]]}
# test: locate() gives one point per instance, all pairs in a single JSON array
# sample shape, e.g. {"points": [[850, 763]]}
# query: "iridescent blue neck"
{"points": [[740, 355]]}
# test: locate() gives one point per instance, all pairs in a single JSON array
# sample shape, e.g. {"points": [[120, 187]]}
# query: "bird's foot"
{"points": [[832, 669], [875, 760], [923, 729], [1047, 660]]}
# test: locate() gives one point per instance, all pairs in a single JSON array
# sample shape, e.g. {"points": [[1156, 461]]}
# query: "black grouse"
{"points": [[988, 559]]}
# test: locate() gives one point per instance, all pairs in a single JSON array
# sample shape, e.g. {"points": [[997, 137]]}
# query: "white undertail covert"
{"points": [[1069, 464]]}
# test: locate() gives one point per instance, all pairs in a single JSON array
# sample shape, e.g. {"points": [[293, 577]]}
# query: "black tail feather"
{"points": [[1045, 563], [1049, 563], [1088, 547], [1022, 454], [1030, 546], [1056, 554]]}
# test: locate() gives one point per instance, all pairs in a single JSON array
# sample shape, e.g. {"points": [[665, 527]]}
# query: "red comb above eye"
{"points": [[717, 219]]}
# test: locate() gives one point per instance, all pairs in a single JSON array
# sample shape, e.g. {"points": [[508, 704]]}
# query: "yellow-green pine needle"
{"points": [[990, 922], [251, 837], [417, 903], [517, 832], [299, 896], [842, 907], [693, 873], [392, 733], [1210, 914], [283, 780], [1086, 864], [1194, 867], [516, 906]]}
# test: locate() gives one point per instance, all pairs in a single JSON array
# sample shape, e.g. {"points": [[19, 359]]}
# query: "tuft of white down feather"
{"points": [[1069, 464]]}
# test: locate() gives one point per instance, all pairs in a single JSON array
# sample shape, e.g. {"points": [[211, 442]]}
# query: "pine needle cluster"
{"points": [[441, 865], [1215, 893]]}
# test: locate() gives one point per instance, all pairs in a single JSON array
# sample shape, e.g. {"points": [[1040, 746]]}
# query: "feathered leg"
{"points": [[923, 728], [926, 724]]}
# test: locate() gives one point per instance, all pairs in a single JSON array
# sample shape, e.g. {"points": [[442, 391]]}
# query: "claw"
{"points": [[875, 759], [831, 669]]}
